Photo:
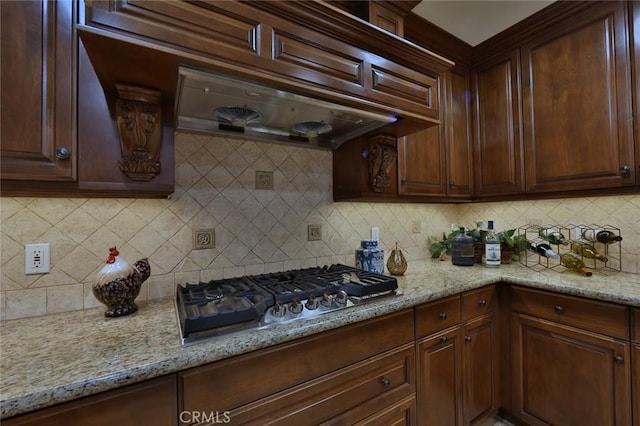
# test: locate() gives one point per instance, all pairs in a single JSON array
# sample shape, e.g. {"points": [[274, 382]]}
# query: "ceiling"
{"points": [[477, 21]]}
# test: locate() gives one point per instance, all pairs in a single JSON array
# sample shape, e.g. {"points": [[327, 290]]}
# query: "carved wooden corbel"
{"points": [[140, 127], [382, 156]]}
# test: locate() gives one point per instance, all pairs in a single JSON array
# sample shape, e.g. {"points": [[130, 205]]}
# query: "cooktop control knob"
{"points": [[278, 309], [296, 306], [341, 298], [312, 303], [327, 300]]}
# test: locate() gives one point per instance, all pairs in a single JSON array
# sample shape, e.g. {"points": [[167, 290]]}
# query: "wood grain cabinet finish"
{"points": [[634, 31], [38, 76], [458, 363], [370, 366], [578, 120], [497, 147], [569, 374], [635, 366], [153, 402], [437, 161]]}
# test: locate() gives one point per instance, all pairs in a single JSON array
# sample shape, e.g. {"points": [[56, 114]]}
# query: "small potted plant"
{"points": [[508, 245]]}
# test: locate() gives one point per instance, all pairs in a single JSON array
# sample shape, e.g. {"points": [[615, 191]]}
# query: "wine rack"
{"points": [[571, 232]]}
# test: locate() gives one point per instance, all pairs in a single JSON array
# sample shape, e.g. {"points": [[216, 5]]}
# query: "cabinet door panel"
{"points": [[421, 167], [577, 104], [480, 369], [635, 59], [635, 384], [439, 379], [497, 145], [565, 376], [37, 83], [458, 140]]}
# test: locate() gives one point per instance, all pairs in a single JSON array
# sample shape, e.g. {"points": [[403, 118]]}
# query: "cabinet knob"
{"points": [[482, 302], [452, 184], [559, 309], [618, 359], [625, 170], [443, 315], [403, 180], [385, 382], [443, 339], [62, 153], [468, 339]]}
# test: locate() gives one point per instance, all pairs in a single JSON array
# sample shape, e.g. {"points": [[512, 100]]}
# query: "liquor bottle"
{"points": [[600, 235], [587, 250], [542, 248], [491, 246], [462, 252], [554, 237], [572, 262]]}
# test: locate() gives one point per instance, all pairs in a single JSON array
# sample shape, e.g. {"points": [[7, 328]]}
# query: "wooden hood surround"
{"points": [[312, 48]]}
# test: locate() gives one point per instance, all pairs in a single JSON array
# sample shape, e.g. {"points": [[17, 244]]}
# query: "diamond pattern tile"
{"points": [[256, 231]]}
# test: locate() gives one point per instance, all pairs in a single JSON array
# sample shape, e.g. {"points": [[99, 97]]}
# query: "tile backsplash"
{"points": [[256, 230]]}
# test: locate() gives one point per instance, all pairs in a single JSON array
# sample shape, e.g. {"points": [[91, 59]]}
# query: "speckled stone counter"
{"points": [[56, 358]]}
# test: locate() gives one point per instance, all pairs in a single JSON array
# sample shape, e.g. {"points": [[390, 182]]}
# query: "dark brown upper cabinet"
{"points": [[38, 72], [497, 150], [577, 109], [635, 66]]}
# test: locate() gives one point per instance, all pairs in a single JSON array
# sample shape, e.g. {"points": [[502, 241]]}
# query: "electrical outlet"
{"points": [[314, 232], [36, 258], [416, 227], [375, 233], [264, 180]]}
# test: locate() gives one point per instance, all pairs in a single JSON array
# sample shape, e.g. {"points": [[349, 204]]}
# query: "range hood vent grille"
{"points": [[221, 105]]}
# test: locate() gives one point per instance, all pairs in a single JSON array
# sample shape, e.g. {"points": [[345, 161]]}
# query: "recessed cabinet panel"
{"points": [[577, 104], [37, 83], [634, 8], [413, 91], [458, 139], [497, 146], [421, 163]]}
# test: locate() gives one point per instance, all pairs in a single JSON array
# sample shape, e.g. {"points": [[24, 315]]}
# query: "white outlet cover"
{"points": [[375, 233], [37, 258]]}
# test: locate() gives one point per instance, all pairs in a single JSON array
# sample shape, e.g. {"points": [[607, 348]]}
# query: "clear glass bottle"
{"points": [[600, 235], [491, 247], [462, 253], [542, 248], [587, 250], [553, 236], [572, 262]]}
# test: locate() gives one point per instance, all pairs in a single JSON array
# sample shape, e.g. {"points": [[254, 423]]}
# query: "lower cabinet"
{"points": [[457, 363], [153, 402], [363, 373], [635, 366], [566, 373]]}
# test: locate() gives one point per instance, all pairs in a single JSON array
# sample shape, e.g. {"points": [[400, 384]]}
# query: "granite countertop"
{"points": [[56, 358]]}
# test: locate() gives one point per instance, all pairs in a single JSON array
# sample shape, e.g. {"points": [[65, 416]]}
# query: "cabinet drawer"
{"points": [[592, 315], [437, 316], [360, 389], [233, 382], [636, 326], [479, 302]]}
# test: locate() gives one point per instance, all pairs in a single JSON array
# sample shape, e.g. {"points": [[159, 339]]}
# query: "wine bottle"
{"points": [[572, 262], [542, 248], [587, 250], [600, 235], [554, 237], [491, 246], [462, 252]]}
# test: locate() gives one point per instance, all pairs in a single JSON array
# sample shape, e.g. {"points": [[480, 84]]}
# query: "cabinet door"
{"points": [[458, 140], [635, 374], [480, 366], [566, 376], [497, 152], [421, 163], [634, 7], [578, 127], [37, 81], [439, 379]]}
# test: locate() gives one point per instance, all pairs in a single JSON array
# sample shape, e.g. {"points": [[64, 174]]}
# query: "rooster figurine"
{"points": [[119, 284]]}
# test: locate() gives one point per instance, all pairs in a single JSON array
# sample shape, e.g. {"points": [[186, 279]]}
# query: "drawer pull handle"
{"points": [[443, 339], [385, 382], [468, 339], [559, 309], [482, 302], [443, 315], [618, 359]]}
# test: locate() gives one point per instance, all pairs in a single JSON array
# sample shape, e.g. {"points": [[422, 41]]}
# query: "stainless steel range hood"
{"points": [[224, 106]]}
